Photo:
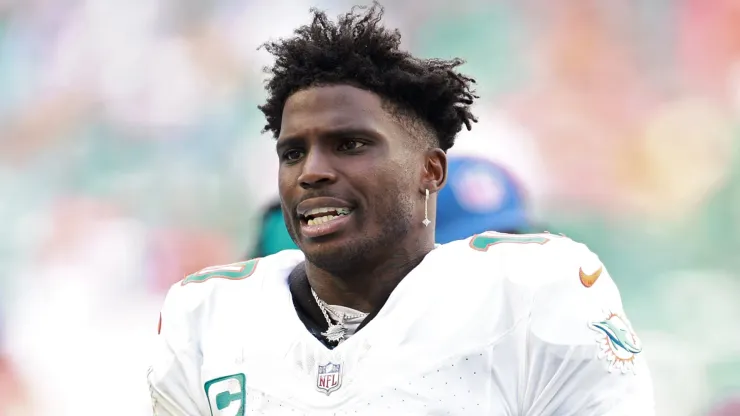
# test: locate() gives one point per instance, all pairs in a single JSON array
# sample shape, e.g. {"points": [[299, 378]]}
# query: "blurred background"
{"points": [[131, 155]]}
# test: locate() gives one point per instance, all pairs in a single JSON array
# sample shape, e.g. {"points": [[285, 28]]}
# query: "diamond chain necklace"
{"points": [[336, 332]]}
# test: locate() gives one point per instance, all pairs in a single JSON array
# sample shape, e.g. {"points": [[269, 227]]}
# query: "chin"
{"points": [[331, 260], [325, 246], [336, 256]]}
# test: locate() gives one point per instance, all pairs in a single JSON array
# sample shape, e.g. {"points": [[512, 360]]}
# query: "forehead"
{"points": [[319, 110]]}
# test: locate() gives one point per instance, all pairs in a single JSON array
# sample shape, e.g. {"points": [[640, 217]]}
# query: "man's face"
{"points": [[348, 179]]}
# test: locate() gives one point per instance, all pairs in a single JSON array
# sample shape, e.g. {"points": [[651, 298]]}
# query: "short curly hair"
{"points": [[357, 50]]}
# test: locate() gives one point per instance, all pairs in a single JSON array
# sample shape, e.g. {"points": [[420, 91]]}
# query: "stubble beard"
{"points": [[394, 213]]}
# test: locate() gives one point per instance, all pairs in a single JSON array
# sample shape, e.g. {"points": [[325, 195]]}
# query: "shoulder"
{"points": [[244, 278], [556, 270], [532, 260], [566, 285], [575, 304]]}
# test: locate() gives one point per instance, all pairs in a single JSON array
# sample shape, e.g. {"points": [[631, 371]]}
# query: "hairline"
{"points": [[406, 117]]}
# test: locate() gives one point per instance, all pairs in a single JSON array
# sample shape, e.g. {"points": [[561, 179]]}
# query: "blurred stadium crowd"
{"points": [[131, 154]]}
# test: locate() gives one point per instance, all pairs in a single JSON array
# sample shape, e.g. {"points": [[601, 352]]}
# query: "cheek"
{"points": [[392, 190], [284, 183]]}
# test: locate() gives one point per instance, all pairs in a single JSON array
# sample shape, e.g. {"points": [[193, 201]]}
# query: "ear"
{"points": [[434, 174]]}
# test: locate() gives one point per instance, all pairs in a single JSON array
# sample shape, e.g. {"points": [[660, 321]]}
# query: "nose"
{"points": [[317, 171]]}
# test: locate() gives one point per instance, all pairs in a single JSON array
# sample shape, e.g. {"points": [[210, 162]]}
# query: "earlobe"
{"points": [[435, 171]]}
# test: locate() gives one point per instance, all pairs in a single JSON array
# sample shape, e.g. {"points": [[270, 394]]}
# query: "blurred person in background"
{"points": [[362, 129], [273, 235], [479, 196]]}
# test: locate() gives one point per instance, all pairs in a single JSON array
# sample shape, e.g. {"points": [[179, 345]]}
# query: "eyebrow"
{"points": [[287, 143], [359, 132]]}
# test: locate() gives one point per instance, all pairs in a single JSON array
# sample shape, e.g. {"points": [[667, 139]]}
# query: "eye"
{"points": [[292, 155], [351, 145]]}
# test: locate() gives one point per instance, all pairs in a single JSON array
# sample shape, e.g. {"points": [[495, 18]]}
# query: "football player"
{"points": [[368, 317]]}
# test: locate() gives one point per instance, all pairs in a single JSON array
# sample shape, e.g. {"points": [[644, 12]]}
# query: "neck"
{"points": [[365, 288]]}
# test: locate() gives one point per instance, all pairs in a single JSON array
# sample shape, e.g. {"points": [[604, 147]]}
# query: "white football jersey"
{"points": [[498, 324]]}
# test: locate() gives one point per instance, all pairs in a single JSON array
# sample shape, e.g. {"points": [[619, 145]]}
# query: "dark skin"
{"points": [[343, 146]]}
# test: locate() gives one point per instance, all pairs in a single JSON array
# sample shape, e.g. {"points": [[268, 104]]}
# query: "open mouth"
{"points": [[318, 216]]}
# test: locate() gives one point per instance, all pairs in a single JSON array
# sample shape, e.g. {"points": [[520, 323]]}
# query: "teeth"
{"points": [[321, 220], [318, 211]]}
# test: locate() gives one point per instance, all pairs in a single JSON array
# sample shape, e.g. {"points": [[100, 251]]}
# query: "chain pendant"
{"points": [[335, 333]]}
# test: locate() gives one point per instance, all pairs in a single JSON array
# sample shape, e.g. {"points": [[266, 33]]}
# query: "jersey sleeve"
{"points": [[582, 354], [174, 376]]}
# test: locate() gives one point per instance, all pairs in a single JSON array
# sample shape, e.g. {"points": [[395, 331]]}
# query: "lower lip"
{"points": [[320, 230]]}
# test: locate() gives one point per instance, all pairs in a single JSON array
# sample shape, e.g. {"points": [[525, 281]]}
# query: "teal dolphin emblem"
{"points": [[616, 342], [619, 334]]}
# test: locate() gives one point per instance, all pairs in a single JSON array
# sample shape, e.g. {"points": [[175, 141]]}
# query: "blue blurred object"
{"points": [[479, 196]]}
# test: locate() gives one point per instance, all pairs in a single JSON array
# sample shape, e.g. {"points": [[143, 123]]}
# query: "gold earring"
{"points": [[426, 221]]}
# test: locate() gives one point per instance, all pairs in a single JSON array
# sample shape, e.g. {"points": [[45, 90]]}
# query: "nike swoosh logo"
{"points": [[588, 280]]}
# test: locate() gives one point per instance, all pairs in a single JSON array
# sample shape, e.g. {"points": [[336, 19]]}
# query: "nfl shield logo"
{"points": [[329, 378]]}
